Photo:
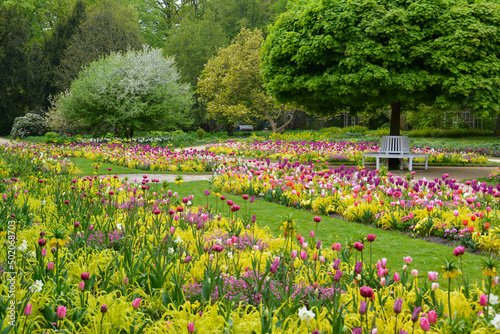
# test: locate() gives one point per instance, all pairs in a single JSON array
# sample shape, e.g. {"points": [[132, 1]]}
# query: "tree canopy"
{"points": [[332, 54], [109, 26], [232, 85], [123, 93]]}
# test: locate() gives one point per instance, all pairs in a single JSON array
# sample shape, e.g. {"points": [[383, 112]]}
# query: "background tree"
{"points": [[328, 54], [110, 26], [22, 68], [58, 40], [232, 85], [139, 90]]}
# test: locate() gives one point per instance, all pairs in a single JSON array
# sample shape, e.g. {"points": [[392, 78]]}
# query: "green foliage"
{"points": [[201, 133], [52, 137], [21, 68], [451, 133], [232, 86], [28, 125], [355, 129], [110, 26], [60, 37], [193, 43], [330, 54], [129, 92]]}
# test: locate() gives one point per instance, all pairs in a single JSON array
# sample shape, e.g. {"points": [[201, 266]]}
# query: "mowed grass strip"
{"points": [[393, 245]]}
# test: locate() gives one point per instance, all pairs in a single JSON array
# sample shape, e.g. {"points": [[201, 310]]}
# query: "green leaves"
{"points": [[324, 54]]}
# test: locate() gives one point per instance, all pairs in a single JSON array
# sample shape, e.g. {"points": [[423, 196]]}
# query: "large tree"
{"points": [[332, 54], [109, 26], [139, 90], [232, 85]]}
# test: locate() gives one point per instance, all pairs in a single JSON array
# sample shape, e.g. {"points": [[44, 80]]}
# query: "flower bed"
{"points": [[467, 212], [336, 151], [96, 255]]}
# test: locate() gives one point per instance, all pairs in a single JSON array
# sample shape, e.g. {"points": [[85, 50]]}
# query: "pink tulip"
{"points": [[191, 327], [370, 237], [434, 286], [424, 324], [433, 276], [136, 303], [414, 272], [459, 251], [396, 277], [337, 247], [311, 234], [293, 254], [432, 316], [61, 312], [81, 286], [50, 266], [317, 219], [407, 259], [27, 310], [303, 255], [483, 300]]}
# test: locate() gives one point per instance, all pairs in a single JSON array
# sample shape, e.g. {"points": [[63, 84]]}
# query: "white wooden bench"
{"points": [[396, 147]]}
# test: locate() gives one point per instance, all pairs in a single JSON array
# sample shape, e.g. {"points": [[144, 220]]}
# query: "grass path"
{"points": [[392, 245]]}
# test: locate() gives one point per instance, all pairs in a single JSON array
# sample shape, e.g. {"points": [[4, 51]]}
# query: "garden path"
{"points": [[459, 172]]}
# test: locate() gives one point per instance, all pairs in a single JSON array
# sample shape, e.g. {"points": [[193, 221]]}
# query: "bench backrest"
{"points": [[395, 144]]}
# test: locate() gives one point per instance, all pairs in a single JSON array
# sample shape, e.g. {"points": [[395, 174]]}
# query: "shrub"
{"points": [[52, 137], [201, 133], [29, 125], [452, 133], [56, 121], [355, 129]]}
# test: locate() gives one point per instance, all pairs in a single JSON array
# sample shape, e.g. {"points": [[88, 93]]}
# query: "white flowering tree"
{"points": [[123, 93]]}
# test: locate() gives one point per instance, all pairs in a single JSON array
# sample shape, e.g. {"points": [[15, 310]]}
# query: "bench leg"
{"points": [[363, 161], [426, 162], [410, 164], [378, 163]]}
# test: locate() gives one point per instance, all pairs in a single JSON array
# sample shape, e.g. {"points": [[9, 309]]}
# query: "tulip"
{"points": [[191, 327], [50, 266], [424, 324], [274, 266], [318, 244], [187, 259], [27, 310], [396, 277], [42, 242], [81, 286], [311, 234], [459, 251], [433, 276], [125, 281], [317, 219], [435, 286], [84, 276], [293, 254], [136, 303], [44, 252], [359, 246], [104, 308], [407, 259], [245, 197], [370, 237], [336, 264], [337, 247], [366, 291], [234, 239], [382, 281], [414, 272], [337, 276], [483, 300], [358, 268], [61, 312], [303, 255], [363, 306], [432, 316], [416, 313], [398, 303]]}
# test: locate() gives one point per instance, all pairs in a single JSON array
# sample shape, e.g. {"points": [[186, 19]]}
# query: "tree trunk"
{"points": [[274, 127], [395, 130], [496, 133]]}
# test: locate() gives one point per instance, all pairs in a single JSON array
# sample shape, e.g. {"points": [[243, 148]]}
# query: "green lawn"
{"points": [[392, 245]]}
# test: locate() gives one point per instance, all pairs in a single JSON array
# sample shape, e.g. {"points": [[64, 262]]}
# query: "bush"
{"points": [[201, 133], [28, 125], [355, 129], [52, 137], [452, 133]]}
